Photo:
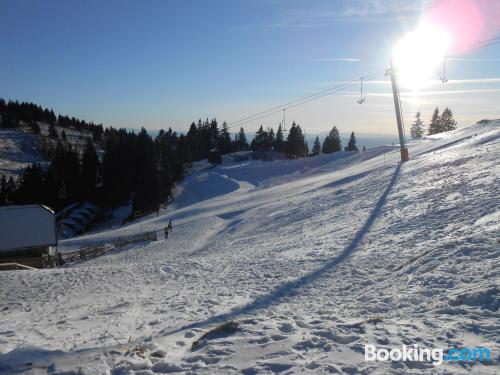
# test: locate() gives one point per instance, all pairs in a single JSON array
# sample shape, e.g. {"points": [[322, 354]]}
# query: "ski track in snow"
{"points": [[312, 258]]}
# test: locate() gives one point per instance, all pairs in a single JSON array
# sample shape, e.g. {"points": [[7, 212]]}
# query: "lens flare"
{"points": [[419, 53]]}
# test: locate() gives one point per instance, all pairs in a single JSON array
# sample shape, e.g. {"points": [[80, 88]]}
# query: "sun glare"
{"points": [[418, 54]]}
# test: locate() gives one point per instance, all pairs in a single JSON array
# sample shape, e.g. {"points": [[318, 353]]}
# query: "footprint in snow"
{"points": [[286, 328]]}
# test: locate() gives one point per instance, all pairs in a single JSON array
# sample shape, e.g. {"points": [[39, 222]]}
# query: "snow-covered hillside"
{"points": [[20, 147], [312, 259]]}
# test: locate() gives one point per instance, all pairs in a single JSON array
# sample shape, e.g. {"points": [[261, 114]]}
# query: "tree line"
{"points": [[133, 165], [13, 113], [438, 124]]}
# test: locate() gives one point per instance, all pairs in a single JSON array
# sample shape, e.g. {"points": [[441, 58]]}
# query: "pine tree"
{"points": [[63, 135], [351, 145], [262, 141], [447, 121], [30, 188], [279, 140], [8, 121], [192, 136], [435, 126], [90, 165], [364, 148], [271, 139], [10, 190], [184, 151], [295, 144], [316, 147], [214, 134], [417, 128], [52, 131], [225, 144], [35, 127], [241, 143], [332, 142], [3, 191]]}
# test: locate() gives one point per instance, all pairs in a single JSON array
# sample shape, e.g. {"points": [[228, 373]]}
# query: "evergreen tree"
{"points": [[262, 141], [417, 128], [184, 151], [241, 143], [30, 189], [271, 138], [316, 147], [435, 126], [90, 165], [192, 136], [447, 121], [63, 135], [52, 131], [51, 118], [351, 145], [295, 145], [214, 134], [35, 127], [332, 142], [279, 140], [10, 190], [225, 143], [3, 191], [8, 121]]}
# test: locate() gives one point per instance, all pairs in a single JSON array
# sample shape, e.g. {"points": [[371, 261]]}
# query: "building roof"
{"points": [[26, 226]]}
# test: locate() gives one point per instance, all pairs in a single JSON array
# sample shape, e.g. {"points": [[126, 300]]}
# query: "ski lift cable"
{"points": [[281, 107], [300, 101], [294, 105], [297, 102], [482, 44], [328, 91], [473, 47]]}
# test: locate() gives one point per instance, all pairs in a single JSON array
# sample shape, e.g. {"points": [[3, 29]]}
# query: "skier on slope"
{"points": [[168, 228]]}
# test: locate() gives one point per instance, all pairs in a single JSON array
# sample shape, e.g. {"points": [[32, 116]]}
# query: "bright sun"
{"points": [[418, 54]]}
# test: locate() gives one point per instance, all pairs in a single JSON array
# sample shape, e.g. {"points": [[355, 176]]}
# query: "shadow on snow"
{"points": [[289, 288]]}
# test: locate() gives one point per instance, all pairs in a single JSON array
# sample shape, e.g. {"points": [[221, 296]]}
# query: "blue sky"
{"points": [[167, 63]]}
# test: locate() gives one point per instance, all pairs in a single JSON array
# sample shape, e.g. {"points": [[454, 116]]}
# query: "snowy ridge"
{"points": [[311, 258]]}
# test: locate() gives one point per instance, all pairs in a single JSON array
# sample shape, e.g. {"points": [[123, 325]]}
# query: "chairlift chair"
{"points": [[442, 75], [362, 97]]}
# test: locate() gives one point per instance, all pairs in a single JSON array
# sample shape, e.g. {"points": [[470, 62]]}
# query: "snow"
{"points": [[20, 147], [18, 150], [312, 259]]}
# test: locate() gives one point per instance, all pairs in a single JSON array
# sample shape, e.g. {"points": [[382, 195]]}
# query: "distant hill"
{"points": [[21, 146]]}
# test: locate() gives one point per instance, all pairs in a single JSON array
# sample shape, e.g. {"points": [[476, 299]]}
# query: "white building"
{"points": [[28, 235]]}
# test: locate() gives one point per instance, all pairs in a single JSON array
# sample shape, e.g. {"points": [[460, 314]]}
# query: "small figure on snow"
{"points": [[168, 228]]}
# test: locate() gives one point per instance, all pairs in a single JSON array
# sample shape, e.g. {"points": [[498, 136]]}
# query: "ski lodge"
{"points": [[27, 236]]}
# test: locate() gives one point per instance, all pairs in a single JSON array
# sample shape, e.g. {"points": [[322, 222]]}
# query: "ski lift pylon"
{"points": [[362, 97]]}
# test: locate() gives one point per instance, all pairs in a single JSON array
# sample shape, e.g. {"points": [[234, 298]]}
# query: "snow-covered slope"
{"points": [[20, 147], [311, 258]]}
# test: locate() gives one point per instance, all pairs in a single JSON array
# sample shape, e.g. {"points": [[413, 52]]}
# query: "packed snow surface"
{"points": [[303, 261]]}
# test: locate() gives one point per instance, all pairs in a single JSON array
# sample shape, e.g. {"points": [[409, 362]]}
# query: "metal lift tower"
{"points": [[399, 117]]}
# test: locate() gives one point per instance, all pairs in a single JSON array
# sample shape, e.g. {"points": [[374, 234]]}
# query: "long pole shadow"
{"points": [[289, 288]]}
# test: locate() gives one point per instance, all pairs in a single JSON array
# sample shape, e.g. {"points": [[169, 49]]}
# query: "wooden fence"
{"points": [[92, 251]]}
